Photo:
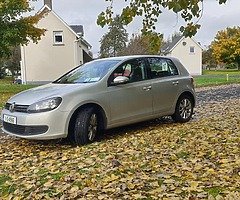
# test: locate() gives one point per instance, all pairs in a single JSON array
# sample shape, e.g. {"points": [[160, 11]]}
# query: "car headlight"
{"points": [[45, 105]]}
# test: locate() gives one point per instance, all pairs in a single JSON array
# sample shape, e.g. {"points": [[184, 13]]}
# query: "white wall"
{"points": [[192, 61], [45, 61]]}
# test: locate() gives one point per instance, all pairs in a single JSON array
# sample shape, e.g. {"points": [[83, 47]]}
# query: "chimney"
{"points": [[48, 3]]}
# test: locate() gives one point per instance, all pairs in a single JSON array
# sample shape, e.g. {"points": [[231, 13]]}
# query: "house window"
{"points": [[192, 50], [58, 37]]}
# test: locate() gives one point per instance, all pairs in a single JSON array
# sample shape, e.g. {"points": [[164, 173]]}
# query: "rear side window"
{"points": [[161, 67]]}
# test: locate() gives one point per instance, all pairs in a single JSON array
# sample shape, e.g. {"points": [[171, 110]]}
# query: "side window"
{"points": [[161, 67], [133, 69], [172, 68]]}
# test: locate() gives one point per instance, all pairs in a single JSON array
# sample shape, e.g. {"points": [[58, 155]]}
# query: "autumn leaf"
{"points": [[157, 159]]}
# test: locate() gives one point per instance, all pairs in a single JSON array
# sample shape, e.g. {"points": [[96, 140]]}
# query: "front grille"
{"points": [[24, 130], [17, 108]]}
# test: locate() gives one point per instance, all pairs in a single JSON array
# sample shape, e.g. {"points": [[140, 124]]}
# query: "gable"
{"points": [[186, 48], [52, 21], [177, 42], [188, 42]]}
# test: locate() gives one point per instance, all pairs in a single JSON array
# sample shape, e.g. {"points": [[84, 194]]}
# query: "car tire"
{"points": [[86, 126], [184, 109]]}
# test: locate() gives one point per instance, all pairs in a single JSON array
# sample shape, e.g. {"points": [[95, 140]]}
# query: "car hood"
{"points": [[34, 95]]}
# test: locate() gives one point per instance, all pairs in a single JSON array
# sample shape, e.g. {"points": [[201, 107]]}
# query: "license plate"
{"points": [[10, 119]]}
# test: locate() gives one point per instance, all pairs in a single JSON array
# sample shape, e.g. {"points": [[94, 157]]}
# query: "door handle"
{"points": [[147, 88], [175, 82]]}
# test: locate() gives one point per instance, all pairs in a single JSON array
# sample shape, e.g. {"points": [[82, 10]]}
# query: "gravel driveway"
{"points": [[208, 96], [218, 93]]}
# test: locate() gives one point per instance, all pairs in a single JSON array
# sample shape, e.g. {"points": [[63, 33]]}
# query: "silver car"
{"points": [[99, 95]]}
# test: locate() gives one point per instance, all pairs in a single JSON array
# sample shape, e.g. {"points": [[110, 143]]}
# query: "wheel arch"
{"points": [[100, 111], [190, 94]]}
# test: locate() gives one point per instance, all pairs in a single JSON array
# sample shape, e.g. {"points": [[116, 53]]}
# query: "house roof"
{"points": [[168, 47], [74, 28], [78, 29]]}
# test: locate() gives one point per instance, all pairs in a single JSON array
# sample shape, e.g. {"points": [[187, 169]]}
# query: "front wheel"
{"points": [[183, 110], [86, 126]]}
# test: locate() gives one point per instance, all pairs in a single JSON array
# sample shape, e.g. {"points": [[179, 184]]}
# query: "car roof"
{"points": [[122, 58], [176, 61]]}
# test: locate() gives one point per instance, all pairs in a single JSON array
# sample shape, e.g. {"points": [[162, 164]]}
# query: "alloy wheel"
{"points": [[185, 108]]}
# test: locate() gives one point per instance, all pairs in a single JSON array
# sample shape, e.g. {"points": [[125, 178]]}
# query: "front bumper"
{"points": [[37, 126]]}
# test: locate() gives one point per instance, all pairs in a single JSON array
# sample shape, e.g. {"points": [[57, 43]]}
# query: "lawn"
{"points": [[8, 89], [221, 72], [217, 77]]}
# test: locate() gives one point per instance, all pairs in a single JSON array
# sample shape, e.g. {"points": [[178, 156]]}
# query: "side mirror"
{"points": [[120, 80]]}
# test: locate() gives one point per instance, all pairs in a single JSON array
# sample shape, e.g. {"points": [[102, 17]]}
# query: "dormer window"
{"points": [[58, 37]]}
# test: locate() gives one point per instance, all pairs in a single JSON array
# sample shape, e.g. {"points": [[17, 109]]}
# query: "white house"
{"points": [[188, 51], [59, 50]]}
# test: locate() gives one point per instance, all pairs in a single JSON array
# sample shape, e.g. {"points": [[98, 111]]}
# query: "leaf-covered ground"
{"points": [[151, 160]]}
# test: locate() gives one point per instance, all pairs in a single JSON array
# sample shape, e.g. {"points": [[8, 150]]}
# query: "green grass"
{"points": [[6, 80], [213, 191], [5, 188], [221, 72], [217, 77], [8, 89]]}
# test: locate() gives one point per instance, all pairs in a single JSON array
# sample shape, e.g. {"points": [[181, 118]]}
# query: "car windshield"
{"points": [[88, 73]]}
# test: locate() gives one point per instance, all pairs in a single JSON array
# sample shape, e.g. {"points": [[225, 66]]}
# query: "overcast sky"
{"points": [[84, 12]]}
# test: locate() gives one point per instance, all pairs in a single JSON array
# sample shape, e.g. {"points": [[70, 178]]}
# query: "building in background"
{"points": [[188, 51], [61, 48]]}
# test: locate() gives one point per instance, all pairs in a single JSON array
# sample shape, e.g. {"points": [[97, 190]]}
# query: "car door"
{"points": [[165, 89], [130, 102]]}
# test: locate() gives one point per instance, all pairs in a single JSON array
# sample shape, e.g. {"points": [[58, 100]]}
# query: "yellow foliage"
{"points": [[226, 46]]}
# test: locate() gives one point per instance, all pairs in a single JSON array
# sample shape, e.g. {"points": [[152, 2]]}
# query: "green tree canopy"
{"points": [[15, 29], [208, 59], [114, 40], [141, 44], [188, 10], [226, 46]]}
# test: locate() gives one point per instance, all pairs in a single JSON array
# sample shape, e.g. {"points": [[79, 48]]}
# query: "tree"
{"points": [[208, 59], [226, 46], [15, 29], [13, 61], [2, 69], [188, 10], [141, 44], [114, 40]]}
